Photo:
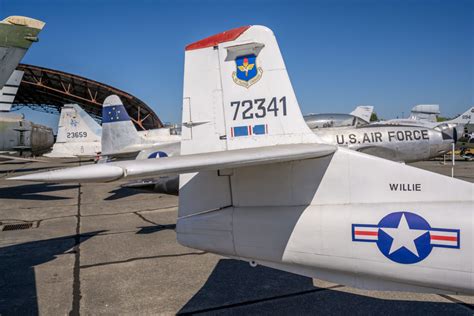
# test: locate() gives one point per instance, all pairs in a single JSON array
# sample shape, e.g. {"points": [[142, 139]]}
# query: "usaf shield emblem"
{"points": [[247, 73]]}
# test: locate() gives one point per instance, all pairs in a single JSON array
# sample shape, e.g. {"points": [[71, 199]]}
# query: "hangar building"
{"points": [[48, 90]]}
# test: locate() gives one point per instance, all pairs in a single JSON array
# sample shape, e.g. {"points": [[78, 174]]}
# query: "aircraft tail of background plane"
{"points": [[364, 112], [426, 112], [9, 90], [78, 134], [465, 118], [18, 33], [118, 131]]}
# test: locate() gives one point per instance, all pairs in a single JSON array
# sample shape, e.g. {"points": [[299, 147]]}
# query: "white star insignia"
{"points": [[403, 236]]}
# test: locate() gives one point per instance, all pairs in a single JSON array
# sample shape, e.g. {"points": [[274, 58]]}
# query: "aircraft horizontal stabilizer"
{"points": [[182, 164]]}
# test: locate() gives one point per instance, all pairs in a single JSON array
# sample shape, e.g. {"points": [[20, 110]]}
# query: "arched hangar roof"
{"points": [[48, 90]]}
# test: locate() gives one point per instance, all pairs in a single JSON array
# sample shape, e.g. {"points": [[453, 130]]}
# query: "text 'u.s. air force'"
{"points": [[379, 137]]}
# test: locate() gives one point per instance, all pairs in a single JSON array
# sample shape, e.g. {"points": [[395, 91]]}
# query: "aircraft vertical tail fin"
{"points": [[465, 118], [237, 94], [9, 91], [18, 33], [75, 126], [118, 131], [427, 112], [363, 112]]}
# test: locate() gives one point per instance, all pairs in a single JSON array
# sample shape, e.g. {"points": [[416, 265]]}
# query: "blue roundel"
{"points": [[404, 237], [158, 154]]}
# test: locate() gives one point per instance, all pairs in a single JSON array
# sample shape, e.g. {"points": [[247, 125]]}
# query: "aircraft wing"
{"points": [[132, 169]]}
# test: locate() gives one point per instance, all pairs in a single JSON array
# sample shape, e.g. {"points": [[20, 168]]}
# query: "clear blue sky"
{"points": [[390, 54]]}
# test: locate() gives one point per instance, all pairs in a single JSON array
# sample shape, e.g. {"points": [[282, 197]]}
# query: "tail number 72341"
{"points": [[258, 108]]}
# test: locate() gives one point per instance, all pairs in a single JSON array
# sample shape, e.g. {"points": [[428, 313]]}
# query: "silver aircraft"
{"points": [[420, 113], [456, 125], [404, 140], [397, 143], [121, 140], [256, 184]]}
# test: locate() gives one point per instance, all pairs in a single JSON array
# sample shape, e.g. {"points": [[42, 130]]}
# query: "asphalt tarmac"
{"points": [[101, 249]]}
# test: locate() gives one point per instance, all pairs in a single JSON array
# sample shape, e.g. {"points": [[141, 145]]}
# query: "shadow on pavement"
{"points": [[18, 294], [121, 193], [34, 191], [155, 229], [236, 288]]}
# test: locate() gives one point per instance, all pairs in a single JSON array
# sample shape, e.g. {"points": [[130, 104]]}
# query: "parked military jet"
{"points": [[397, 143], [458, 122], [80, 136], [256, 183], [121, 139], [420, 112]]}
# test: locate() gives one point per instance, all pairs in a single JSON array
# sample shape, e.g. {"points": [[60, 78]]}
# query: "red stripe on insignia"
{"points": [[362, 233], [232, 131], [214, 40], [250, 130], [447, 238]]}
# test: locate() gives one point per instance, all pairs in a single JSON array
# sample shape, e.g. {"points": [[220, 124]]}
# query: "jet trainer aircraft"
{"points": [[257, 185], [420, 114], [453, 127], [121, 139], [397, 143]]}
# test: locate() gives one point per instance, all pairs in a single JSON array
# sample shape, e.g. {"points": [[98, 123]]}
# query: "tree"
{"points": [[374, 117]]}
